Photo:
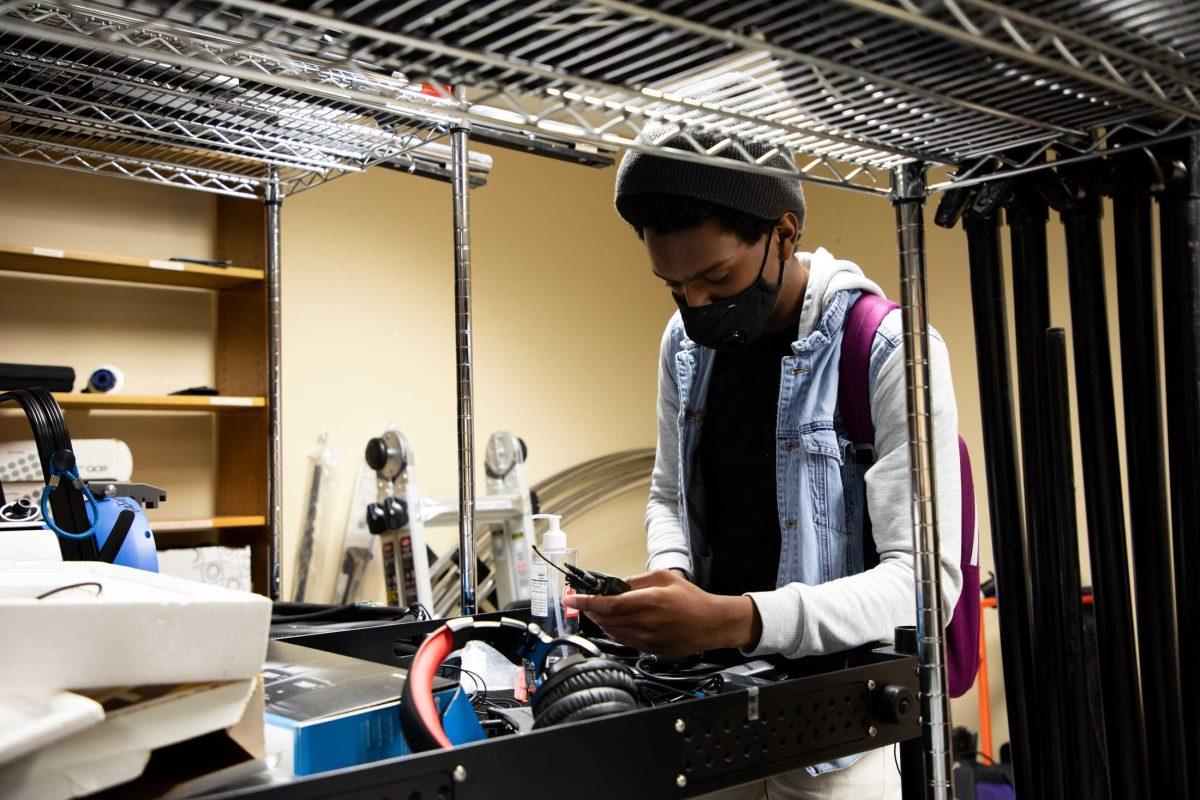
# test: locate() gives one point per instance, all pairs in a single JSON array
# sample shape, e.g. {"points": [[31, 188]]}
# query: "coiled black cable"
{"points": [[52, 439]]}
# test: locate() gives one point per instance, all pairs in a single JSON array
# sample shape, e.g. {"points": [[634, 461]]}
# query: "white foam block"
{"points": [[30, 720], [142, 628]]}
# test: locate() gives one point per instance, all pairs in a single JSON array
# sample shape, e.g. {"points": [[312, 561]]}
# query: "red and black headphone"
{"points": [[581, 686]]}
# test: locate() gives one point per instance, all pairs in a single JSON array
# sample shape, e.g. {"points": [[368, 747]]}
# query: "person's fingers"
{"points": [[629, 603], [628, 623], [622, 621], [583, 602], [592, 603], [630, 637], [659, 577]]}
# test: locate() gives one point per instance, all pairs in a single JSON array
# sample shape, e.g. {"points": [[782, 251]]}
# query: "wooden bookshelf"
{"points": [[78, 264], [172, 402], [239, 511], [206, 524]]}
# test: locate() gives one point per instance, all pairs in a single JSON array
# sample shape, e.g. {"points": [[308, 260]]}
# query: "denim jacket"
{"points": [[819, 484]]}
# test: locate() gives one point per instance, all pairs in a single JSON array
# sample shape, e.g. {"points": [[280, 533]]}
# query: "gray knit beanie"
{"points": [[762, 196]]}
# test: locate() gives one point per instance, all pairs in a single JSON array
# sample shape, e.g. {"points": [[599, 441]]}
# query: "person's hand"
{"points": [[665, 613]]}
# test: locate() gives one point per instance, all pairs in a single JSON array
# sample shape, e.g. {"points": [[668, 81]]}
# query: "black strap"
{"points": [[116, 537], [865, 456]]}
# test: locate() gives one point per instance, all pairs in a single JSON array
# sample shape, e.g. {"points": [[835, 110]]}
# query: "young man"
{"points": [[755, 520]]}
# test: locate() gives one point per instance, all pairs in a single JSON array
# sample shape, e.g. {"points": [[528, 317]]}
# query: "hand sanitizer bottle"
{"points": [[547, 585]]}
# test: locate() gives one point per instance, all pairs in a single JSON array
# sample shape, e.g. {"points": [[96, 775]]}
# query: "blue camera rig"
{"points": [[100, 521]]}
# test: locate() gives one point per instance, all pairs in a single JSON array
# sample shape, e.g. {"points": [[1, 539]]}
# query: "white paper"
{"points": [[232, 401], [538, 590]]}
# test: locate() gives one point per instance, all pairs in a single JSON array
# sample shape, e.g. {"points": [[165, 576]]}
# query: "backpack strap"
{"points": [[854, 392], [854, 404], [854, 371]]}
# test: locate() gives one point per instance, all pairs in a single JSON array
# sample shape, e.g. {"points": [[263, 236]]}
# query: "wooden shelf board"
{"points": [[173, 402], [78, 264], [206, 524]]}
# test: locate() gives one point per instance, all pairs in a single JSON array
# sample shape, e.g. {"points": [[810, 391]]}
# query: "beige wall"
{"points": [[566, 327], [567, 324]]}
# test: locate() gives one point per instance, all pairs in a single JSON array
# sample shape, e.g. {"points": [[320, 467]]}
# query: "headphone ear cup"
{"points": [[580, 688], [585, 704], [581, 675]]}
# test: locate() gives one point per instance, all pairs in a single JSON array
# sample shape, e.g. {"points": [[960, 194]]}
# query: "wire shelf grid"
{"points": [[845, 90]]}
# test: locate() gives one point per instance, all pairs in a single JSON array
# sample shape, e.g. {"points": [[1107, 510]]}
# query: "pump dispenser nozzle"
{"points": [[555, 538]]}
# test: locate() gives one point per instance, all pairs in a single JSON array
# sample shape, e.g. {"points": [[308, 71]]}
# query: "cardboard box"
{"points": [[326, 711]]}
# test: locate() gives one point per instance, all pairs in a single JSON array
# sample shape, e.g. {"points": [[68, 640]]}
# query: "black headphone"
{"points": [[584, 685]]}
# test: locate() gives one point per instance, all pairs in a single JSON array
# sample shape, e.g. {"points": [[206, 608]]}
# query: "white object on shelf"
{"points": [[97, 459], [143, 628], [19, 544], [228, 567]]}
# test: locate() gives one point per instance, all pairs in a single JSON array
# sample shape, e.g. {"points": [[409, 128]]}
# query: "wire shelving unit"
{"points": [[265, 100], [209, 95]]}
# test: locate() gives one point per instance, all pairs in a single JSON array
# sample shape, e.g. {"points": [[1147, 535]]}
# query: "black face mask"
{"points": [[735, 321]]}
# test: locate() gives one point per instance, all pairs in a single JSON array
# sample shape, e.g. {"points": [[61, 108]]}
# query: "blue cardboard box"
{"points": [[328, 711]]}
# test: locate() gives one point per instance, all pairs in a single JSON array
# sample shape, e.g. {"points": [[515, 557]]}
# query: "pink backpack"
{"points": [[854, 402]]}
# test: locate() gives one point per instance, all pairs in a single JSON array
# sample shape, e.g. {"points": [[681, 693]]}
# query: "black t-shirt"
{"points": [[736, 457]]}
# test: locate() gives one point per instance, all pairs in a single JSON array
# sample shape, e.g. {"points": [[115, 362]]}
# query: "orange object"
{"points": [[985, 705], [442, 91]]}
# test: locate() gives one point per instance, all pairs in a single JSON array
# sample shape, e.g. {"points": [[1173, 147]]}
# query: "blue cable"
{"points": [[94, 507]]}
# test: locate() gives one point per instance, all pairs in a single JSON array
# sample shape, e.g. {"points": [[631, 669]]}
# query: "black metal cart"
{"points": [[826, 708]]}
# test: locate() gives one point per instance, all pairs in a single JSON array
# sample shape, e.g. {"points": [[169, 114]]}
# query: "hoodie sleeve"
{"points": [[800, 620], [666, 542]]}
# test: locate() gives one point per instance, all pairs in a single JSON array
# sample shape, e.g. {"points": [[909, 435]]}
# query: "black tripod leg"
{"points": [[1027, 215], [1179, 223], [1004, 494], [1148, 509], [1086, 746], [1103, 498]]}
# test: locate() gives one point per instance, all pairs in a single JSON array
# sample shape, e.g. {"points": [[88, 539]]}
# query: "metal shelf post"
{"points": [[461, 186], [274, 201], [908, 197]]}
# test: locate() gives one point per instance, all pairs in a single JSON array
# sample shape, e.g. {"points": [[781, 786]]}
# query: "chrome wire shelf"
{"points": [[72, 100], [215, 93]]}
